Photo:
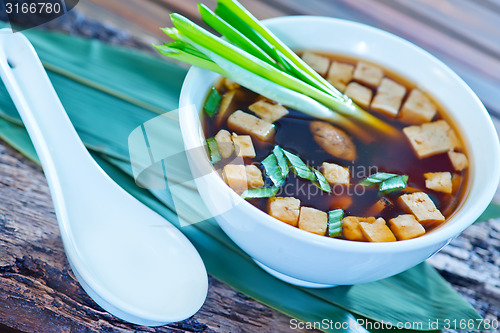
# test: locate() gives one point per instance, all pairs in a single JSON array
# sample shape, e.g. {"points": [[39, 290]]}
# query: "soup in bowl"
{"points": [[325, 205]]}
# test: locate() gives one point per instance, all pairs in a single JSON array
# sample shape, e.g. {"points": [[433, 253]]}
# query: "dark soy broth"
{"points": [[383, 155]]}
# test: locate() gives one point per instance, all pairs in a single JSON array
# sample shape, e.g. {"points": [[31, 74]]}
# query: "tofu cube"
{"points": [[230, 84], [352, 229], [224, 108], [335, 174], [243, 145], [456, 181], [406, 226], [313, 220], [379, 206], [377, 231], [458, 160], [431, 138], [368, 74], [438, 181], [388, 98], [417, 109], [246, 123], [285, 209], [225, 143], [267, 111], [235, 177], [340, 74], [254, 176], [420, 205], [319, 63], [359, 94]]}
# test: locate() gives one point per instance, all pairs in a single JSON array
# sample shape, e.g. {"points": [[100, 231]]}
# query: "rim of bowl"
{"points": [[446, 231]]}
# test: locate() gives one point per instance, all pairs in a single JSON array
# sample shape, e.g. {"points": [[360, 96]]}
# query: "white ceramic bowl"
{"points": [[310, 260]]}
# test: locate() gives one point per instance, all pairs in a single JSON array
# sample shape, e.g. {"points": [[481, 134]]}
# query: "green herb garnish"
{"points": [[260, 192], [254, 57], [212, 103], [335, 222], [387, 182], [213, 150], [299, 167], [322, 183], [273, 170]]}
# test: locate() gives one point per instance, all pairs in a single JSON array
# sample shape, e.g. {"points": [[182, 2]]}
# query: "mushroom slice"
{"points": [[333, 140]]}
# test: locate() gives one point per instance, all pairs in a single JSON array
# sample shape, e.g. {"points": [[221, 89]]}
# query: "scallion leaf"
{"points": [[282, 162], [299, 167], [322, 182], [335, 222], [376, 178], [212, 103], [260, 192], [213, 150], [393, 184], [273, 170], [387, 182]]}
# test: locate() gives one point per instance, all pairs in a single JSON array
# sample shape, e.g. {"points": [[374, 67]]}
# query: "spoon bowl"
{"points": [[130, 260]]}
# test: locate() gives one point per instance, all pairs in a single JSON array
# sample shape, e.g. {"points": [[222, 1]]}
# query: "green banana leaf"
{"points": [[109, 91]]}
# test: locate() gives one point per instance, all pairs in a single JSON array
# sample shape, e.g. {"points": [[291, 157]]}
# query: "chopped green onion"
{"points": [[335, 222], [273, 170], [387, 182], [213, 150], [252, 56], [260, 192], [233, 35], [322, 182], [212, 104], [376, 178], [299, 167], [394, 184], [282, 162]]}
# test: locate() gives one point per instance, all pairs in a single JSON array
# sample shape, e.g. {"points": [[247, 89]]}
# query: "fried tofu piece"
{"points": [[406, 226], [458, 160], [254, 176], [351, 228], [335, 174], [368, 74], [456, 181], [224, 108], [388, 98], [225, 143], [379, 206], [319, 63], [431, 138], [438, 181], [285, 209], [243, 145], [377, 231], [230, 84], [268, 111], [420, 205], [340, 74], [359, 94], [246, 123], [313, 220], [417, 109], [235, 176]]}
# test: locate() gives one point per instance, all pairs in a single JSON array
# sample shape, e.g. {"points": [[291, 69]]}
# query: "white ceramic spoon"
{"points": [[130, 260]]}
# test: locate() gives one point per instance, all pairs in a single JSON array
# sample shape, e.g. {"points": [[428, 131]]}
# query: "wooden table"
{"points": [[38, 291]]}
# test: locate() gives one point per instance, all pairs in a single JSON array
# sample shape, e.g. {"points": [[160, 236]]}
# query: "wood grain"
{"points": [[39, 293]]}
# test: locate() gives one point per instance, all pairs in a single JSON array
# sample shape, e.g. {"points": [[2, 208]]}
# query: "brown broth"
{"points": [[386, 155]]}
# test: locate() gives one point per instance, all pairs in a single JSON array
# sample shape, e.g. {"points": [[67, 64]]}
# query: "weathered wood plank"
{"points": [[39, 293]]}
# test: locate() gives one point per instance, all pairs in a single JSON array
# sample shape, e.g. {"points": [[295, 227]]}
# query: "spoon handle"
{"points": [[56, 142]]}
